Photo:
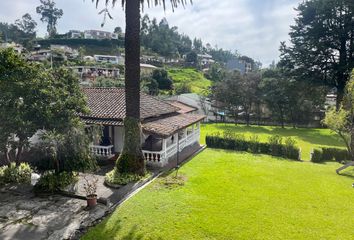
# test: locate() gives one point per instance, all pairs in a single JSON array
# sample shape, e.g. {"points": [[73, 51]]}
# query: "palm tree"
{"points": [[131, 159]]}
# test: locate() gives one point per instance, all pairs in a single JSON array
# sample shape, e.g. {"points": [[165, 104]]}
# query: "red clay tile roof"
{"points": [[184, 108], [169, 125], [107, 122], [109, 103]]}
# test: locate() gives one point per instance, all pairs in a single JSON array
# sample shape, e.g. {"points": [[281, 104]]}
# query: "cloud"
{"points": [[252, 27]]}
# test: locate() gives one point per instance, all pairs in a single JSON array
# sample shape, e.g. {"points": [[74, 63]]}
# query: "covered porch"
{"points": [[168, 137], [161, 139]]}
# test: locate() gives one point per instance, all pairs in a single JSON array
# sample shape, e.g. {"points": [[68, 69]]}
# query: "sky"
{"points": [[252, 27]]}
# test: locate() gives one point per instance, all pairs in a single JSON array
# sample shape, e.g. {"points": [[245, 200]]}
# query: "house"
{"points": [[40, 55], [106, 59], [201, 104], [205, 60], [239, 65], [184, 108], [75, 34], [147, 69], [67, 51], [165, 131], [16, 46], [98, 34], [91, 72]]}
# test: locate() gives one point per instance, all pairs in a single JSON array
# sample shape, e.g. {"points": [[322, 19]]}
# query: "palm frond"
{"points": [[174, 3]]}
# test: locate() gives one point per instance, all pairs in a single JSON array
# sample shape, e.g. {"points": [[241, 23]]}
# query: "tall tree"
{"points": [[228, 92], [131, 159], [248, 94], [322, 43], [49, 14], [34, 98], [27, 24]]}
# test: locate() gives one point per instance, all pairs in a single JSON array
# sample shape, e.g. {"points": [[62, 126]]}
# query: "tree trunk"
{"points": [[19, 152], [132, 159], [282, 118], [351, 145], [6, 155], [340, 94]]}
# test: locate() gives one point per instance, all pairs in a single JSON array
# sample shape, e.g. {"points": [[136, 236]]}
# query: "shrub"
{"points": [[316, 156], [236, 142], [116, 178], [254, 144], [276, 148], [51, 182], [290, 150], [264, 148], [330, 154], [341, 155], [15, 174]]}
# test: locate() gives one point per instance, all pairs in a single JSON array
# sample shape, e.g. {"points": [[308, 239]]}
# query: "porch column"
{"points": [[198, 131], [164, 144]]}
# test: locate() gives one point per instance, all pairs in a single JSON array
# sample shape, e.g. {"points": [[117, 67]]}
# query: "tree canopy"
{"points": [[34, 98], [322, 43], [49, 14]]}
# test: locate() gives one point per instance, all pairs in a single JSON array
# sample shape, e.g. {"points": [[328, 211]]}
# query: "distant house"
{"points": [[202, 105], [40, 55], [166, 131], [66, 50], [89, 73], [205, 60], [240, 65], [98, 34], [75, 34], [147, 69], [106, 59], [16, 46]]}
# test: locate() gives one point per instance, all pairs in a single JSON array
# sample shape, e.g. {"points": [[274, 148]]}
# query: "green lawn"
{"points": [[306, 138], [191, 76], [232, 195]]}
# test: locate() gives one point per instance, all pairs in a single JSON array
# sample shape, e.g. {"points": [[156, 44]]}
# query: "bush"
{"points": [[276, 148], [329, 154], [116, 178], [232, 141], [290, 150], [264, 148], [51, 182], [254, 144], [15, 174], [316, 156]]}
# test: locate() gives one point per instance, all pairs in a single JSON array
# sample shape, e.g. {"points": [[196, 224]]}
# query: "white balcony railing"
{"points": [[160, 158], [102, 151]]}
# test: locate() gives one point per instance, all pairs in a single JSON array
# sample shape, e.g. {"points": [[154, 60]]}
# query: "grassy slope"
{"points": [[307, 138], [230, 195], [191, 76]]}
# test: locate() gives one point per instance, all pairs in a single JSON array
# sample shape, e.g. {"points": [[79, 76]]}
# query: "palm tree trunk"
{"points": [[132, 159]]}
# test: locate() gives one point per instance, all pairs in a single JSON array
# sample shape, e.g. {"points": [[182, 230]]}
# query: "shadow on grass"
{"points": [[348, 173]]}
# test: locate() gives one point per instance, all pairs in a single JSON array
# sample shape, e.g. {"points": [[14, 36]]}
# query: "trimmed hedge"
{"points": [[329, 154], [238, 143]]}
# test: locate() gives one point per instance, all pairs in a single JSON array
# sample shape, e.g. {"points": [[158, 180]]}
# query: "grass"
{"points": [[232, 195], [190, 76], [306, 138]]}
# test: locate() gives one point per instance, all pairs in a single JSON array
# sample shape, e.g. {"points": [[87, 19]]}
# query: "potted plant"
{"points": [[90, 187]]}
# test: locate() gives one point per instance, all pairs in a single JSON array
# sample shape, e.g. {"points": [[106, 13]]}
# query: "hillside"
{"points": [[190, 76], [91, 46]]}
